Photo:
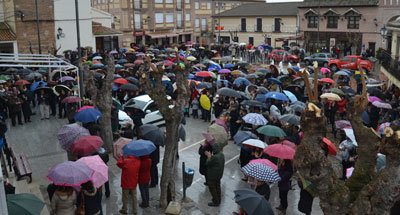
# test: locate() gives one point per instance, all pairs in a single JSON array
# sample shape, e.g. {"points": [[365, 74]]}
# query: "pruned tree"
{"points": [[153, 83], [365, 192], [100, 92]]}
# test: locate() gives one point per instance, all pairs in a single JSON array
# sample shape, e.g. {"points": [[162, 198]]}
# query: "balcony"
{"points": [[265, 28], [391, 65]]}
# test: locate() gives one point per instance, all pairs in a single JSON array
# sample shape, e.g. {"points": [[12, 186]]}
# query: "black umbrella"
{"points": [[132, 80], [170, 75], [243, 95], [153, 133], [11, 70], [46, 89], [250, 76], [98, 75], [252, 202], [23, 72], [129, 87], [292, 88], [264, 71], [290, 118], [228, 92], [116, 76], [57, 89], [32, 76], [262, 90], [373, 91], [253, 103], [348, 90], [182, 132], [203, 85]]}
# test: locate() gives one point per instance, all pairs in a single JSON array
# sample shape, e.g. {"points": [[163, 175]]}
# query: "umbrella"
{"points": [[380, 161], [203, 85], [139, 148], [276, 96], [88, 115], [228, 92], [86, 145], [340, 124], [36, 85], [243, 95], [325, 70], [224, 71], [4, 77], [33, 75], [219, 133], [252, 202], [327, 80], [348, 90], [69, 133], [122, 61], [181, 132], [254, 143], [117, 146], [274, 80], [288, 143], [265, 162], [153, 133], [129, 65], [70, 174], [138, 62], [255, 119], [341, 72], [58, 88], [129, 87], [97, 58], [203, 74], [350, 134], [85, 107], [116, 76], [252, 103], [251, 76], [238, 81], [281, 151], [222, 123], [100, 169], [331, 96], [271, 131], [331, 147], [21, 82], [374, 99], [337, 91], [262, 90], [67, 78], [263, 70], [383, 105], [290, 95], [24, 204], [308, 186], [226, 58], [229, 65], [236, 72], [290, 118], [373, 91], [365, 117], [121, 81], [297, 108], [312, 76], [23, 72], [113, 52], [242, 136], [242, 63], [117, 103], [261, 172], [133, 80], [381, 128]]}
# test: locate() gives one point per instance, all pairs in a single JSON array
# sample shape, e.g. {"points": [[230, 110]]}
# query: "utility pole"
{"points": [[219, 23], [319, 12], [38, 27], [78, 37]]}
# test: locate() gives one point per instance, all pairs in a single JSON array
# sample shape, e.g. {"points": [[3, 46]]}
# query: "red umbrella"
{"points": [[121, 81], [331, 146], [290, 144], [95, 62], [169, 63], [86, 145], [174, 59], [22, 82], [203, 74], [71, 99], [327, 80], [138, 62], [280, 151]]}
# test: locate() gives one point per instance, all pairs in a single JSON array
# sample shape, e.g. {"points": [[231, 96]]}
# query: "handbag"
{"points": [[81, 208]]}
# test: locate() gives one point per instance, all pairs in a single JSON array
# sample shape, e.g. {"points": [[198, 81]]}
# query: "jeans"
{"points": [[215, 189], [125, 197], [144, 192], [283, 197], [44, 111]]}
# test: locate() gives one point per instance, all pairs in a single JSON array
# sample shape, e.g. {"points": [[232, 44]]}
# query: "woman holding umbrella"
{"points": [[285, 172], [90, 197], [63, 201], [206, 146]]}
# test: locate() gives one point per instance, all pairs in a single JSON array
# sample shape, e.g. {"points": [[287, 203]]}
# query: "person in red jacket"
{"points": [[144, 179], [342, 107], [129, 179]]}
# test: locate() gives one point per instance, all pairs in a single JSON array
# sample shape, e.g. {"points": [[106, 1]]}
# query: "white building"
{"points": [[95, 27]]}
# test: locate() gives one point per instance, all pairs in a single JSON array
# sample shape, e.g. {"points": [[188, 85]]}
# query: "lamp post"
{"points": [[384, 34]]}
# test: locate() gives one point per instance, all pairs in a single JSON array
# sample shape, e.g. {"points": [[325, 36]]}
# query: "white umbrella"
{"points": [[350, 134], [123, 118], [331, 96], [98, 58], [255, 143]]}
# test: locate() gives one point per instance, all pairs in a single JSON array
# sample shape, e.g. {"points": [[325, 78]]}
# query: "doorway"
{"points": [[251, 40]]}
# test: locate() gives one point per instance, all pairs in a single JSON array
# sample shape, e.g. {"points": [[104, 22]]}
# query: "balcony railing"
{"points": [[391, 65], [264, 29]]}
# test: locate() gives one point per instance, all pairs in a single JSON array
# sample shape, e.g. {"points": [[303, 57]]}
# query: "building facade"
{"points": [[258, 23]]}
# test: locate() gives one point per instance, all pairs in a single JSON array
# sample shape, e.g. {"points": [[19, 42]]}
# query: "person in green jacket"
{"points": [[215, 170]]}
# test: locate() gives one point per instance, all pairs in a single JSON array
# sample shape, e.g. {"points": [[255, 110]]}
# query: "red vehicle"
{"points": [[279, 55], [350, 62]]}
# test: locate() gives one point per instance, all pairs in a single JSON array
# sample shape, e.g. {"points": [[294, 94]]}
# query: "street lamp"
{"points": [[384, 31]]}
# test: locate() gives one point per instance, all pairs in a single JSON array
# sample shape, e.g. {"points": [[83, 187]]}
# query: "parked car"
{"points": [[282, 55], [149, 108], [322, 59], [351, 62]]}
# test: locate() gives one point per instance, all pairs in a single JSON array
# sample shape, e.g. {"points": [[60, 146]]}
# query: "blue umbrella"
{"points": [[276, 81], [260, 97], [299, 103], [139, 148], [114, 87], [365, 118], [225, 82], [98, 65], [341, 72], [229, 65], [240, 80], [124, 49], [276, 96], [295, 68], [88, 115], [36, 85], [191, 76], [196, 68], [214, 67], [242, 136], [122, 61], [290, 95]]}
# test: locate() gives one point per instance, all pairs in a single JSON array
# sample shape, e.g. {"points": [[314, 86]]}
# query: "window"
{"points": [[197, 23], [332, 22], [138, 4], [277, 24], [179, 20], [313, 21], [208, 5], [220, 6], [187, 18], [103, 1], [138, 21], [345, 59], [169, 18], [259, 25], [179, 4], [98, 1], [159, 18], [187, 1], [169, 1], [203, 24], [196, 5], [354, 22], [243, 26], [158, 1]]}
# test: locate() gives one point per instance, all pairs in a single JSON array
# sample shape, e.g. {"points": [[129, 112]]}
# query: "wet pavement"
{"points": [[39, 142]]}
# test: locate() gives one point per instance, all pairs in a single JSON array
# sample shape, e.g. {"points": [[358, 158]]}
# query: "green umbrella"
{"points": [[308, 186], [214, 76], [4, 77], [24, 204], [271, 131], [337, 91]]}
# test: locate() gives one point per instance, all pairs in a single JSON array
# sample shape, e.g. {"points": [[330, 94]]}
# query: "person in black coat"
{"points": [[91, 198], [26, 108], [203, 158], [305, 201], [155, 159]]}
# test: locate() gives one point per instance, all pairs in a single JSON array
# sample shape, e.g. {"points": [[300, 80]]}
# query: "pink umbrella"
{"points": [[95, 163], [85, 107], [290, 144], [117, 147], [382, 105], [222, 123], [224, 71], [280, 151], [266, 162], [325, 70], [349, 172], [374, 99], [340, 124]]}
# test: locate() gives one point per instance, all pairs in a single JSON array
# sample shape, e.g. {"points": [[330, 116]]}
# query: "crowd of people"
{"points": [[258, 108]]}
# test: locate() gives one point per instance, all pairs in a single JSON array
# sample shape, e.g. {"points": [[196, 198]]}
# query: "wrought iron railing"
{"points": [[390, 64]]}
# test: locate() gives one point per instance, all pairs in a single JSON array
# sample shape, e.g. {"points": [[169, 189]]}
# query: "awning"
{"points": [[162, 35], [101, 31], [5, 32], [187, 32]]}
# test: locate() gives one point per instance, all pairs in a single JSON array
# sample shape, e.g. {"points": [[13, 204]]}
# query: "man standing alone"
{"points": [[215, 170]]}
